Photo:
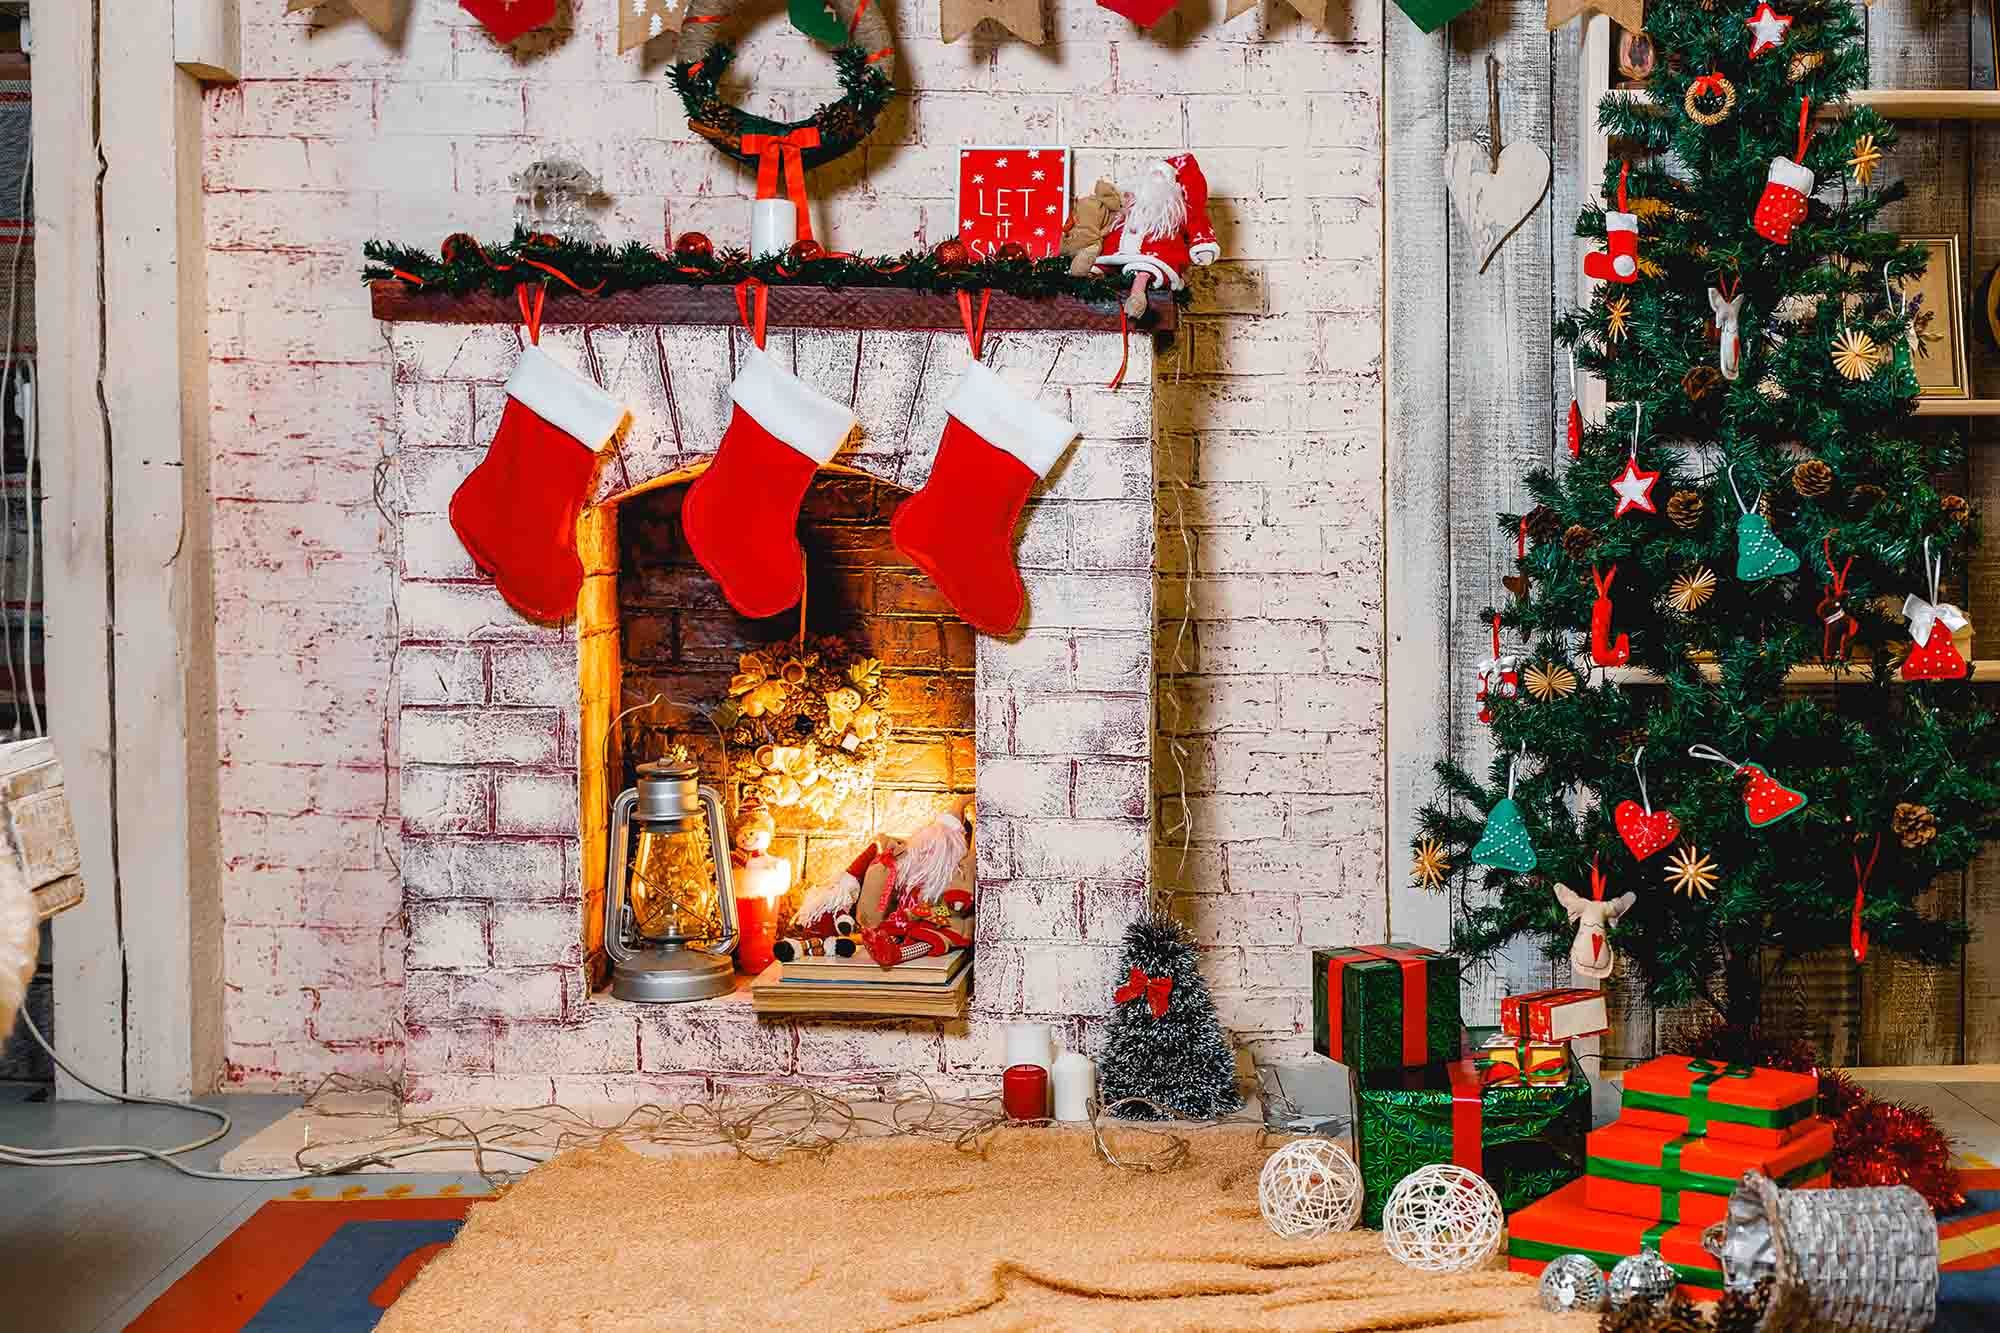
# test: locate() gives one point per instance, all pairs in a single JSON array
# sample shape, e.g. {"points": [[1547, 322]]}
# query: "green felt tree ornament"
{"points": [[1505, 845], [1765, 238]]}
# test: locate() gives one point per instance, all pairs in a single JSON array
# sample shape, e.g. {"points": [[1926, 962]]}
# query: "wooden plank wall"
{"points": [[1477, 395]]}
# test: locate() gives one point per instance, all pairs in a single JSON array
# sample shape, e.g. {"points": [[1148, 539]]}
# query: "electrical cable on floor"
{"points": [[102, 1154]]}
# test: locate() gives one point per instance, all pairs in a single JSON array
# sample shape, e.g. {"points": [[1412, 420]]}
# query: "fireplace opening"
{"points": [[680, 640]]}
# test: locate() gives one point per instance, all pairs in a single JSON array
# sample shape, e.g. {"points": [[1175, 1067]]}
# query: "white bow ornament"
{"points": [[1729, 354], [1925, 616]]}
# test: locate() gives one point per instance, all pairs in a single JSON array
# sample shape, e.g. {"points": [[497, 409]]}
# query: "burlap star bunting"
{"points": [[377, 14], [1312, 11], [1023, 18], [639, 21], [1627, 14]]}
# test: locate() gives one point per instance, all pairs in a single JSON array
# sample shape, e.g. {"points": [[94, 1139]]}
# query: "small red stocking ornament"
{"points": [[509, 19], [1604, 650], [1787, 187], [1620, 260], [741, 516], [959, 529], [516, 512]]}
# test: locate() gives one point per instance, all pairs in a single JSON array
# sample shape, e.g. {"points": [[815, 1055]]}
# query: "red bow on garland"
{"points": [[1156, 990]]}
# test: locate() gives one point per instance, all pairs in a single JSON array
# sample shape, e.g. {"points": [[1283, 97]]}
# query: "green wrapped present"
{"points": [[1430, 15], [1385, 1006], [1528, 1141]]}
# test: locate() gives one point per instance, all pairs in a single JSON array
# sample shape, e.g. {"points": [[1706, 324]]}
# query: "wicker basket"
{"points": [[1860, 1259]]}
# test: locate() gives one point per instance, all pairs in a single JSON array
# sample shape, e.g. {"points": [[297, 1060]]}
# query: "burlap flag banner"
{"points": [[1627, 14], [639, 21], [1023, 18], [377, 14], [1312, 11]]}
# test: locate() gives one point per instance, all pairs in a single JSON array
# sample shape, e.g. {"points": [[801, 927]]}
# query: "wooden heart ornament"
{"points": [[1494, 198], [1645, 832]]}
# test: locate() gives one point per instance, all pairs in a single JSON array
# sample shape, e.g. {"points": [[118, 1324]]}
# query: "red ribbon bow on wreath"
{"points": [[1709, 84], [775, 149], [1155, 990]]}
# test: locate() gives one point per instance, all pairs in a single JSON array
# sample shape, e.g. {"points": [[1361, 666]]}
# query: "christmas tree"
{"points": [[1164, 1042], [1757, 498]]}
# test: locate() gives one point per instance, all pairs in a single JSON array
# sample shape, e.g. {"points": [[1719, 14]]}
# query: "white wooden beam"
{"points": [[208, 40]]}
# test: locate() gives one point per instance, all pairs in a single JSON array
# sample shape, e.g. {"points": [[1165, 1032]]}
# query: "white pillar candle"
{"points": [[1030, 1044], [774, 226], [1075, 1083]]}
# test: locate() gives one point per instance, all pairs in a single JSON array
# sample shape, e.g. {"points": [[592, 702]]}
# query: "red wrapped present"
{"points": [[1563, 1223], [1554, 1015], [1656, 1173], [1736, 1103]]}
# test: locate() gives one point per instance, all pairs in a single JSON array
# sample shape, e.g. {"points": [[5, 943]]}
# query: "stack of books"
{"points": [[935, 987]]}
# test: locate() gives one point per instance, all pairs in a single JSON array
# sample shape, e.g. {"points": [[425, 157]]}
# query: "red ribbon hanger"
{"points": [[774, 150], [1155, 990], [1805, 128], [749, 291], [975, 328], [1624, 170], [1857, 938], [531, 313]]}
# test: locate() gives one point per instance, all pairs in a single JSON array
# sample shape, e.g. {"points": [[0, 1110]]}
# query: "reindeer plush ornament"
{"points": [[1591, 955]]}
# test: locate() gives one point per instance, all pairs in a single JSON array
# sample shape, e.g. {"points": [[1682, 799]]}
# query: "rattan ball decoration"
{"points": [[1573, 1282], [1641, 1279], [1442, 1219], [1309, 1188]]}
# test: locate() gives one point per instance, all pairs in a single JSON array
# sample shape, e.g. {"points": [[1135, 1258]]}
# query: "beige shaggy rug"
{"points": [[1034, 1234]]}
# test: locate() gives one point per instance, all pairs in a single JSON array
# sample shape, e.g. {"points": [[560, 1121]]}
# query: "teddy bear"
{"points": [[1090, 217]]}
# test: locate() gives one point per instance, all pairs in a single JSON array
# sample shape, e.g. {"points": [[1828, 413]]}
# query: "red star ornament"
{"points": [[1634, 487], [1767, 29]]}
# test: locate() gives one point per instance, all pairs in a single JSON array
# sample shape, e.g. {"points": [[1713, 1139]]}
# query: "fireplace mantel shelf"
{"points": [[801, 307]]}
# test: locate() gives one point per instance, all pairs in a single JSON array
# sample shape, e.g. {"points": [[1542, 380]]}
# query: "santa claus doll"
{"points": [[1163, 230]]}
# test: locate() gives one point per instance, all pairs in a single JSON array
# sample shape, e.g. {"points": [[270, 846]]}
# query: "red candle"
{"points": [[1024, 1092], [757, 931]]}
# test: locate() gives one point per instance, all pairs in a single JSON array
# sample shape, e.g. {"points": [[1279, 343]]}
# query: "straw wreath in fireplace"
{"points": [[807, 722]]}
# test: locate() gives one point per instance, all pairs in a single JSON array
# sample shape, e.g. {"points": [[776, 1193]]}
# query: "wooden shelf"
{"points": [[799, 307], [1983, 671], [1958, 407], [1931, 103]]}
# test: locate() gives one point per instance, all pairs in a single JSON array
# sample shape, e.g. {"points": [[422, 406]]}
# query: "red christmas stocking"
{"points": [[959, 528], [516, 512], [741, 516], [508, 19]]}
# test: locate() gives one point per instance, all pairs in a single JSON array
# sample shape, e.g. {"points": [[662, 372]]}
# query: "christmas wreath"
{"points": [[864, 60], [808, 724]]}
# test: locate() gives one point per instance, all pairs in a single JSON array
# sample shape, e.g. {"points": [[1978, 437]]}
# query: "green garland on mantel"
{"points": [[464, 266]]}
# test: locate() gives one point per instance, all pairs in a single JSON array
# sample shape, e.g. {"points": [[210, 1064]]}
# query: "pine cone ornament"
{"points": [[1954, 508], [1812, 478], [1867, 495], [1578, 541], [1914, 824], [1544, 525], [1686, 508]]}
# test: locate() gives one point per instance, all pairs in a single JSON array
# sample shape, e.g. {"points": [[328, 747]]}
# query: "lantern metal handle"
{"points": [[614, 883], [718, 845]]}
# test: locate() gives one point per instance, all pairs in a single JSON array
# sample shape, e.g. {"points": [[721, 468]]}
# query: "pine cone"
{"points": [[1955, 508], [1867, 495], [1812, 478], [1544, 525], [1686, 508], [1914, 824], [1578, 541], [1743, 1311]]}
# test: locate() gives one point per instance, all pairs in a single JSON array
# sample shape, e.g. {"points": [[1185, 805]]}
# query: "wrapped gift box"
{"points": [[1554, 1015], [1734, 1103], [1526, 1140], [1656, 1173], [1563, 1224], [1385, 1006], [1536, 1062]]}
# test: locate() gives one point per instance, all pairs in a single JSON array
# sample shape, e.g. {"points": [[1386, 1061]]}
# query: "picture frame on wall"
{"points": [[1937, 342]]}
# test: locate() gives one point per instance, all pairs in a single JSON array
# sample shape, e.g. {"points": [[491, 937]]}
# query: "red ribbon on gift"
{"points": [[774, 150], [1156, 991], [1416, 992], [1467, 1087]]}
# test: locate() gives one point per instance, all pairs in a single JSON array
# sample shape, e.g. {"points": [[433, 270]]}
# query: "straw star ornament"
{"points": [[1551, 680], [1855, 354], [1431, 866], [1689, 872], [1864, 159]]}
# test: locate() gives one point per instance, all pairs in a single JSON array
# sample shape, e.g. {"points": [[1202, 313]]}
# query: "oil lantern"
{"points": [[669, 905]]}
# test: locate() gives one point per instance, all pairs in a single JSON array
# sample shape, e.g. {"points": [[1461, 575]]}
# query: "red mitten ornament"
{"points": [[959, 529], [508, 19], [1786, 188], [1932, 623], [1604, 650], [516, 512], [741, 516], [1620, 260]]}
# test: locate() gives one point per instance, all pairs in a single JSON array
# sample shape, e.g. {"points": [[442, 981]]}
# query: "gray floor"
{"points": [[88, 1248]]}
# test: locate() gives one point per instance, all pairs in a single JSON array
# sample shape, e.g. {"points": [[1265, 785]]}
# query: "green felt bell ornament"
{"points": [[1505, 844], [1759, 553]]}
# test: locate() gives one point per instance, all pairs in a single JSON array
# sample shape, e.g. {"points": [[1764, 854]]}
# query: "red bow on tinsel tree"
{"points": [[1155, 990]]}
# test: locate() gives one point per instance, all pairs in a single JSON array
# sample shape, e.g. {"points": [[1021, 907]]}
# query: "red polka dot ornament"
{"points": [[1644, 829], [1787, 187], [1765, 799]]}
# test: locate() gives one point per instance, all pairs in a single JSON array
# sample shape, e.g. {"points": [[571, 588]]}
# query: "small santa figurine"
{"points": [[1163, 229]]}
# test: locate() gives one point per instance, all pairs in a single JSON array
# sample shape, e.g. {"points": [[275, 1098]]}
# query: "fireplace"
{"points": [[505, 741]]}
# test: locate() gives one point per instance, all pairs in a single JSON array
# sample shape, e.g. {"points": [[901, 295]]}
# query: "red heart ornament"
{"points": [[1645, 833], [508, 19]]}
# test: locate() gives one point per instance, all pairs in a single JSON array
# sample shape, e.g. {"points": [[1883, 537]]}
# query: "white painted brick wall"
{"points": [[1268, 405]]}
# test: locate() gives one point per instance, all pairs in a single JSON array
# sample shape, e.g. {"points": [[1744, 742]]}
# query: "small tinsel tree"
{"points": [[1758, 498], [1164, 1042]]}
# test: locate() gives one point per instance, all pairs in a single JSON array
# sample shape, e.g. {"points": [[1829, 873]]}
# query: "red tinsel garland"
{"points": [[1874, 1142]]}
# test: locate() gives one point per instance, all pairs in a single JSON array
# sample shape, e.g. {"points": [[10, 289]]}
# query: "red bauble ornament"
{"points": [[805, 251], [694, 247], [1011, 252], [952, 254]]}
